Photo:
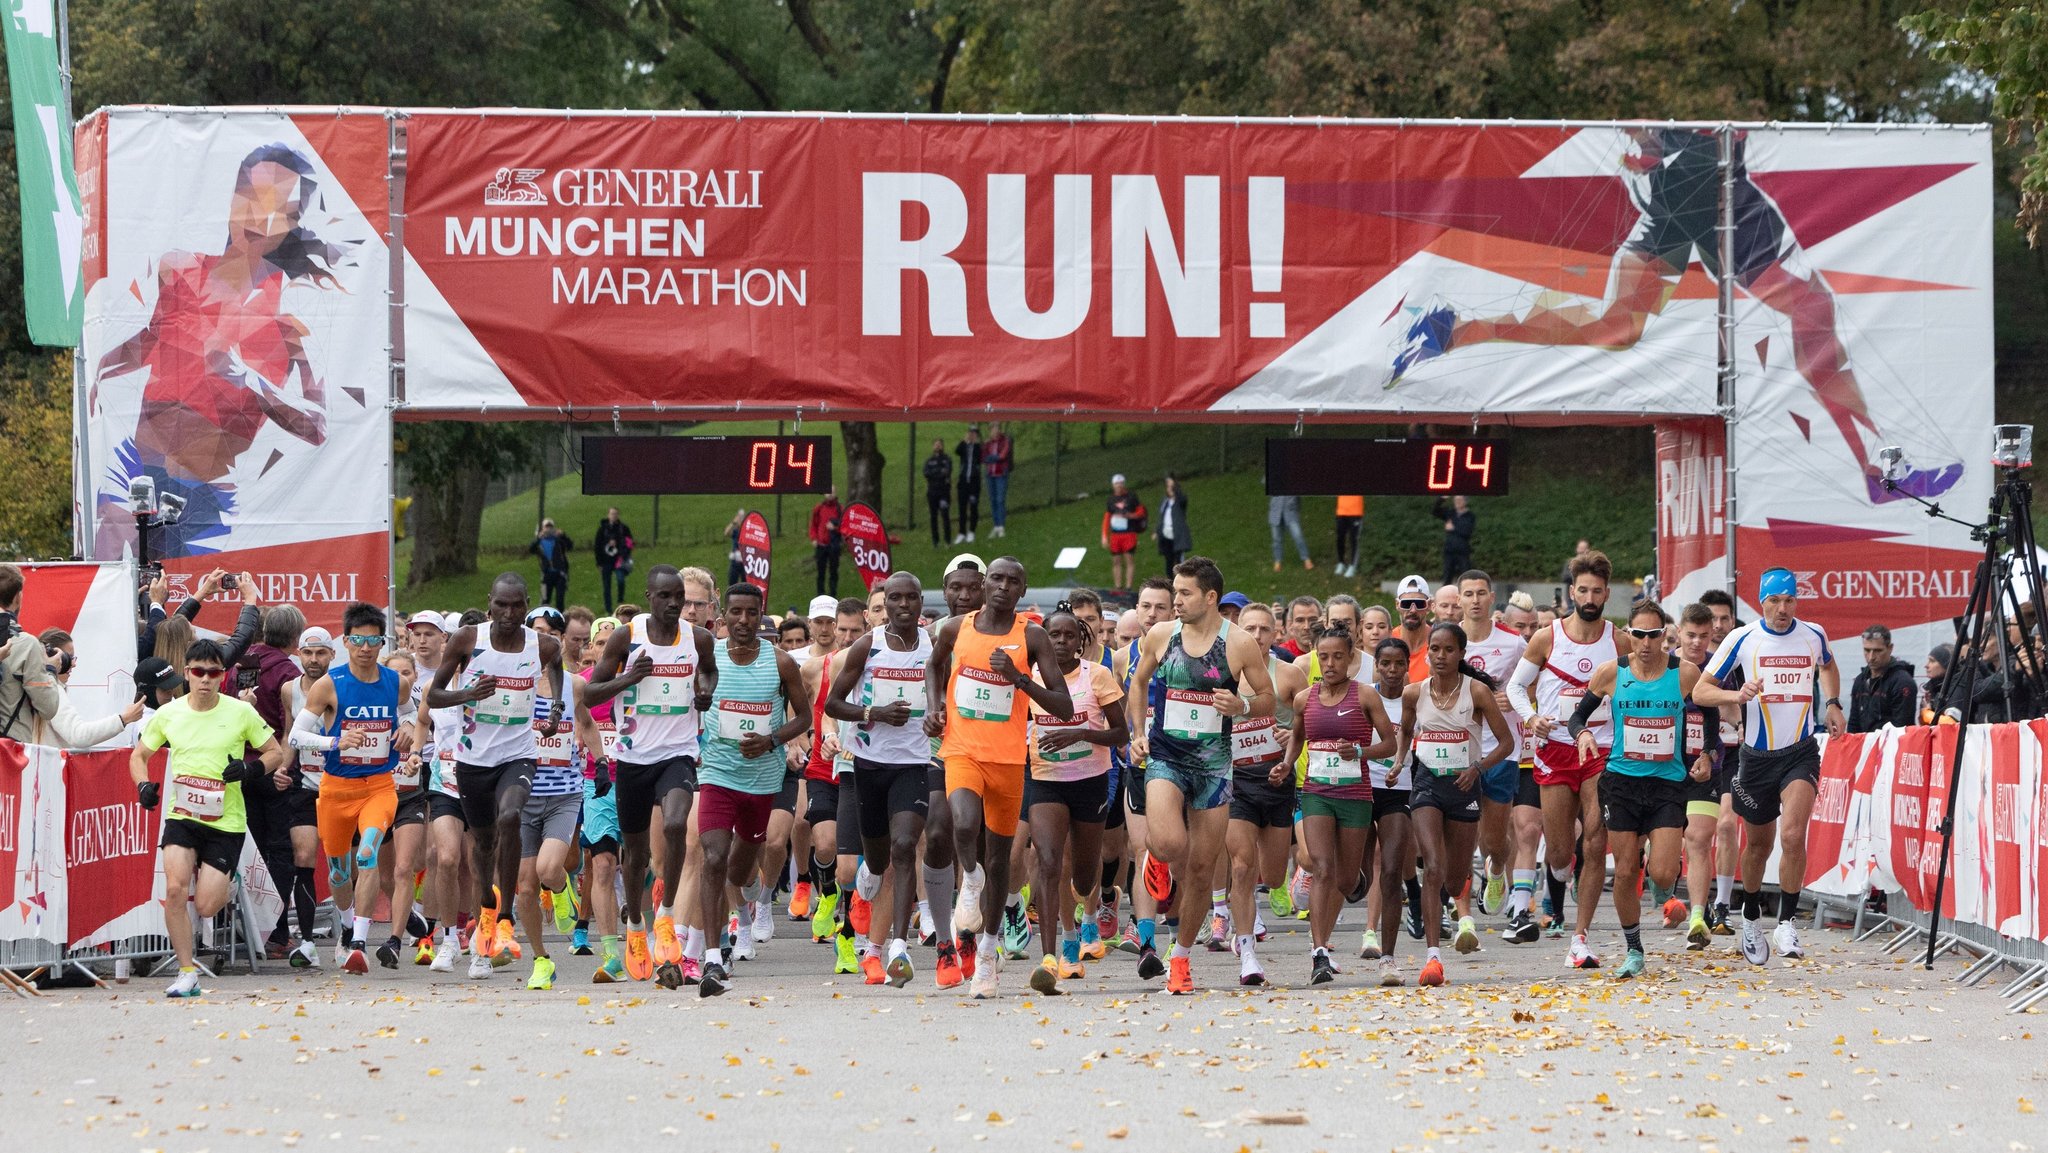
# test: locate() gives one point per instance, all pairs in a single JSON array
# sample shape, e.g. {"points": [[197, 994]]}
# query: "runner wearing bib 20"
{"points": [[1393, 782], [1781, 660], [1342, 728], [494, 761], [1440, 723], [1192, 668], [1262, 794], [979, 667], [1644, 785], [1558, 663], [1067, 801], [660, 669]]}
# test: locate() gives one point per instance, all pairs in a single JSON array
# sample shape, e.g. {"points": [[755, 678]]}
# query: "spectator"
{"points": [[734, 571], [1579, 552], [614, 549], [1286, 511], [1884, 692], [1458, 524], [996, 458], [1350, 515], [967, 514], [825, 541], [938, 493], [176, 634], [553, 547], [34, 708], [61, 649], [1174, 536], [1939, 658], [1304, 613], [159, 592], [1122, 520]]}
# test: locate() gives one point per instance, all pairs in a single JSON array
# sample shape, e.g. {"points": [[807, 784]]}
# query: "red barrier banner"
{"points": [[32, 881], [2001, 851], [869, 541], [1908, 814], [110, 839], [755, 544], [13, 784], [1829, 824]]}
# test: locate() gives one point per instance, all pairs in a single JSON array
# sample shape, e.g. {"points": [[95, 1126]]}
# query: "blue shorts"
{"points": [[600, 816], [1499, 783], [1202, 790]]}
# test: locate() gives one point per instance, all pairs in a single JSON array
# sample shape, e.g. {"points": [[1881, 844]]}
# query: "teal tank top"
{"points": [[748, 699], [1649, 726]]}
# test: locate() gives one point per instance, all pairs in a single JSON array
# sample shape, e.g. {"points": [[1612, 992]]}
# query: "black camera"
{"points": [[230, 582]]}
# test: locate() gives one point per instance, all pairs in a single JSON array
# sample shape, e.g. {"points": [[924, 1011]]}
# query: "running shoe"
{"points": [[1281, 902], [1180, 976], [1127, 941], [693, 970], [1467, 940], [543, 974], [480, 967], [800, 901], [342, 945], [1070, 961], [1045, 979], [187, 985], [579, 942], [1522, 929], [1581, 955], [967, 916], [1674, 913], [562, 907], [713, 981], [1369, 948], [1390, 974], [424, 954], [1250, 974], [305, 956], [965, 947], [1428, 338], [611, 972], [861, 912], [355, 962], [639, 961], [387, 953], [946, 970], [899, 969], [1158, 879], [1696, 931], [1756, 948], [1201, 930], [1785, 939], [1106, 923], [988, 972], [743, 943], [1092, 948], [844, 960], [1149, 964], [1298, 892], [416, 922], [667, 947], [1258, 924], [444, 957], [764, 921], [871, 968], [825, 918], [1496, 891], [1415, 914], [1631, 966], [1717, 921], [1320, 970], [1016, 933], [669, 975], [1432, 973], [1219, 931]]}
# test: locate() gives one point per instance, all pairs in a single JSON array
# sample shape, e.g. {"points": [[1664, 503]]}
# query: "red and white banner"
{"points": [[32, 884], [96, 604], [867, 540], [755, 546]]}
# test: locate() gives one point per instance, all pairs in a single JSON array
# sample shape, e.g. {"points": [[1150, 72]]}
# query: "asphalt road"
{"points": [[1846, 1049]]}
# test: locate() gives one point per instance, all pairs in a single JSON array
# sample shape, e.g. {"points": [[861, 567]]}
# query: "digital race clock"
{"points": [[1336, 466], [659, 465]]}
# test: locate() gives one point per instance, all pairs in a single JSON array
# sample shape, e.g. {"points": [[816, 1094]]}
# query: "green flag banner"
{"points": [[50, 222]]}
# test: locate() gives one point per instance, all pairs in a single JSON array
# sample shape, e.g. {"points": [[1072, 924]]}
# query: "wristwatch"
{"points": [[1832, 703]]}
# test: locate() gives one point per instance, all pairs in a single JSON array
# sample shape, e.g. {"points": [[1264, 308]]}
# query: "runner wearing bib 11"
{"points": [[1781, 659], [1645, 783], [1262, 794], [1192, 668], [1558, 664]]}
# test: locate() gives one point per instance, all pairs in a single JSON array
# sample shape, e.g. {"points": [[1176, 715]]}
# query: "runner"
{"points": [[1559, 662], [1392, 827], [1506, 795], [315, 652], [352, 715], [1779, 658], [1262, 795], [547, 825], [891, 753], [1644, 787], [757, 706], [1342, 729], [1155, 884], [1068, 801], [963, 589], [494, 761], [1412, 601], [975, 669], [1703, 797], [438, 737], [1440, 724], [600, 834], [834, 816], [208, 733], [411, 837], [1192, 669], [1728, 834]]}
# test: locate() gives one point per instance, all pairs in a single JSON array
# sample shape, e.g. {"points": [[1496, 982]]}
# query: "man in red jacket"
{"points": [[825, 542]]}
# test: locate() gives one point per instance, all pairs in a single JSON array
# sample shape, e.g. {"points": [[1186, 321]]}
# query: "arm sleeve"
{"points": [[306, 734], [1518, 690], [1588, 705]]}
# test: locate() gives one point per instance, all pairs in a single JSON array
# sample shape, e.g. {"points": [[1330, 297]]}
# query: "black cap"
{"points": [[155, 674]]}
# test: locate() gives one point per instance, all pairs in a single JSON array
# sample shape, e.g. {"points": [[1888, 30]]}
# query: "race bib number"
{"points": [[407, 775], [1731, 733], [558, 751], [1191, 715], [1254, 741], [1327, 766], [201, 798], [1443, 751], [511, 704], [1695, 737], [737, 719], [1649, 738], [1119, 523], [667, 691], [982, 695], [444, 771], [891, 685], [1785, 680], [376, 748], [608, 739], [1079, 750]]}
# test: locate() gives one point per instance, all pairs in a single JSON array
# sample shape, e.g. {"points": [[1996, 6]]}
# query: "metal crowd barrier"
{"points": [[1989, 951]]}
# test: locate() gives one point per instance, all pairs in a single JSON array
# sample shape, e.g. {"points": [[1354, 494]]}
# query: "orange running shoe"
{"points": [[965, 949], [1432, 973], [800, 901], [946, 974], [861, 913], [871, 965], [639, 962], [1674, 913], [507, 943], [668, 949], [1158, 879], [1180, 975]]}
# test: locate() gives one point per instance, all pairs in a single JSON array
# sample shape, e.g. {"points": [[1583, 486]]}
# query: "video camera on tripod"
{"points": [[151, 510]]}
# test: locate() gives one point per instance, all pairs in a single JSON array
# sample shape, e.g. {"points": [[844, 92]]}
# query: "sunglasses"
{"points": [[357, 640], [203, 672], [1414, 604], [1644, 634]]}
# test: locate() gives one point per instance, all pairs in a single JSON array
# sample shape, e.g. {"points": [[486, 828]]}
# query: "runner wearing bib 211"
{"points": [[1192, 669], [1780, 659]]}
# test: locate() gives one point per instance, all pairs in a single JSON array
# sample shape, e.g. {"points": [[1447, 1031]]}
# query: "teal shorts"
{"points": [[1202, 789], [1350, 813]]}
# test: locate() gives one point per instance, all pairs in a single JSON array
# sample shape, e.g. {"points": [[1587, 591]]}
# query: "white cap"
{"points": [[1411, 586], [823, 606], [316, 637], [966, 560], [429, 618], [1118, 478]]}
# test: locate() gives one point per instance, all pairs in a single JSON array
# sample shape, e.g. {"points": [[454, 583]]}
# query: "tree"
{"points": [[452, 464], [35, 455], [2009, 44]]}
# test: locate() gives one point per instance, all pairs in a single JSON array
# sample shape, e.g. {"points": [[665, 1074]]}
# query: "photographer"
{"points": [[31, 697], [157, 592]]}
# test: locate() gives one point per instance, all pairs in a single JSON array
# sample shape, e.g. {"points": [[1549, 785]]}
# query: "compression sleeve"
{"points": [[306, 734], [1588, 705], [1518, 690]]}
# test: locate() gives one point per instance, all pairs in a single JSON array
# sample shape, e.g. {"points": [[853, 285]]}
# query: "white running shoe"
{"points": [[308, 955], [444, 957], [187, 985], [341, 950], [1258, 926], [1582, 955], [479, 967], [926, 927], [1756, 948], [1785, 939], [988, 970], [866, 884], [1249, 971], [743, 943], [1468, 937], [967, 907], [764, 921]]}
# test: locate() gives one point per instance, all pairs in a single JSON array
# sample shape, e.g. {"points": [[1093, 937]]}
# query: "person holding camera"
{"points": [[614, 546], [34, 708]]}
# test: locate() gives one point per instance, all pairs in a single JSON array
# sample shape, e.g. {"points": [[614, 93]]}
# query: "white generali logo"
{"points": [[1885, 584], [516, 186]]}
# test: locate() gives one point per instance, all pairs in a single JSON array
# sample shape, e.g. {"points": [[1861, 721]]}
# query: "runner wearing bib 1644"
{"points": [[1780, 660], [1262, 792]]}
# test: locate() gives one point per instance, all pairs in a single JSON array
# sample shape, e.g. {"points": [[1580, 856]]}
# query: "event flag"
{"points": [[51, 234]]}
